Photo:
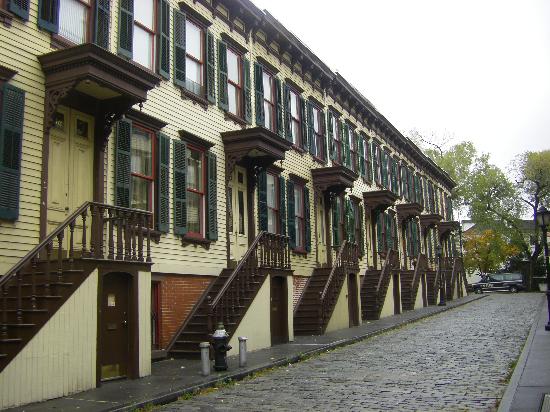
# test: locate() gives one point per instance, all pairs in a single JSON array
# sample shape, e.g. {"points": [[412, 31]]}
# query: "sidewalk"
{"points": [[531, 378], [171, 379]]}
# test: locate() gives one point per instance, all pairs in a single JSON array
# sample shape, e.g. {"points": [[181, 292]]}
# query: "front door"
{"points": [[321, 233], [279, 316], [238, 225], [70, 164], [114, 326], [353, 303]]}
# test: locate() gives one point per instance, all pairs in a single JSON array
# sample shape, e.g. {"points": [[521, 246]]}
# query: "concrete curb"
{"points": [[510, 392], [241, 374]]}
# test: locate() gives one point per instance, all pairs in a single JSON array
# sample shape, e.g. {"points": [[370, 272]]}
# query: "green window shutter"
{"points": [[259, 94], [19, 8], [11, 139], [212, 198], [180, 187], [310, 129], [395, 177], [331, 137], [247, 97], [282, 206], [163, 45], [411, 185], [223, 96], [307, 221], [262, 200], [361, 239], [361, 144], [123, 164], [417, 189], [126, 28], [324, 133], [375, 153], [179, 48], [102, 18], [279, 109], [304, 124], [387, 232], [287, 114], [379, 228], [48, 15], [335, 219], [350, 221], [291, 214], [369, 161], [163, 195], [385, 160], [345, 145], [210, 67]]}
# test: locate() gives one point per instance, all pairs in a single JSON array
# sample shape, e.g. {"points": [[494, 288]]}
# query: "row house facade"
{"points": [[168, 166]]}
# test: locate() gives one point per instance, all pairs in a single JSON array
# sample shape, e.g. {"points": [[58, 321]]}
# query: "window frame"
{"points": [[153, 178], [152, 32], [276, 201], [353, 149], [202, 61], [88, 26], [239, 94], [273, 103], [337, 141], [319, 136], [298, 186], [296, 133], [202, 213]]}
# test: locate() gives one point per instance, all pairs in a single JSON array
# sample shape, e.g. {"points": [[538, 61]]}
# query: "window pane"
{"points": [[72, 20], [232, 93], [142, 153], [296, 131], [241, 212], [299, 233], [271, 191], [316, 120], [268, 91], [194, 170], [298, 201], [193, 71], [233, 67], [193, 40], [268, 116], [140, 193], [271, 221], [194, 212], [294, 102], [143, 13], [143, 50]]}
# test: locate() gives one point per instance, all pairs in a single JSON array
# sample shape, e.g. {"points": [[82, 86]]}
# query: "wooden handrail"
{"points": [[337, 264], [421, 263], [390, 257]]}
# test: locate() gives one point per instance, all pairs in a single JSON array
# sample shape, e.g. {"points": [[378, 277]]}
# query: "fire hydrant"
{"points": [[220, 342]]}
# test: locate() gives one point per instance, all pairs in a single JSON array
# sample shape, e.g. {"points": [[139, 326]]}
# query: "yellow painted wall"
{"points": [[144, 319], [255, 324], [340, 315], [418, 302], [290, 307], [388, 307], [61, 358]]}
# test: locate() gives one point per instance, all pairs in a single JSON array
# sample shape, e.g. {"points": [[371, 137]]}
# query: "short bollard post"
{"points": [[205, 358], [242, 351]]}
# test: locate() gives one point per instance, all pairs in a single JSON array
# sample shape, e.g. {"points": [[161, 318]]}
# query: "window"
{"points": [[272, 203], [269, 100], [234, 83], [73, 20], [295, 118], [142, 168], [318, 141], [195, 191], [338, 220], [336, 130], [352, 144], [376, 163], [368, 158], [194, 57], [144, 33], [299, 216]]}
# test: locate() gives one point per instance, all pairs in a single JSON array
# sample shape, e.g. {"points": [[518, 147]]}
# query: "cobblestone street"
{"points": [[458, 360]]}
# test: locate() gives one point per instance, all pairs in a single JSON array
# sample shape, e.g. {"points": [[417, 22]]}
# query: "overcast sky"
{"points": [[477, 70]]}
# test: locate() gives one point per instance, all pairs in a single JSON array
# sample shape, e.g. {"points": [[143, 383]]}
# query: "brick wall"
{"points": [[299, 286], [178, 296]]}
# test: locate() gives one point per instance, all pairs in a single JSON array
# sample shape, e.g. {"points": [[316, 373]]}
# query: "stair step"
{"points": [[17, 325], [10, 340]]}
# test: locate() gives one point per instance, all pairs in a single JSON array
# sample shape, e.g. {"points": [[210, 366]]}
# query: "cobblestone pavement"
{"points": [[454, 361]]}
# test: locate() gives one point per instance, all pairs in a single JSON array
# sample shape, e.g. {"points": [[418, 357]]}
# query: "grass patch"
{"points": [[511, 368]]}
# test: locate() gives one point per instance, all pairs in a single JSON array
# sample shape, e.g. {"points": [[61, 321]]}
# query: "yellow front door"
{"points": [[238, 199], [70, 165], [321, 232]]}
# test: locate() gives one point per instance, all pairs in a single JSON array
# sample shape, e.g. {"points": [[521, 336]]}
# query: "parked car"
{"points": [[512, 282]]}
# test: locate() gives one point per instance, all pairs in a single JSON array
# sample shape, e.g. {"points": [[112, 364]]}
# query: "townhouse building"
{"points": [[169, 166]]}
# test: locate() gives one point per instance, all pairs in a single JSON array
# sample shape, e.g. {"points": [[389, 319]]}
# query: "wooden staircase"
{"points": [[229, 296], [374, 287], [410, 281], [41, 282], [321, 293], [453, 277]]}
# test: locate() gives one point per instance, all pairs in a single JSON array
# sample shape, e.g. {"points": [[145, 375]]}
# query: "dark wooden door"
{"points": [[279, 316], [114, 326], [353, 303], [396, 294]]}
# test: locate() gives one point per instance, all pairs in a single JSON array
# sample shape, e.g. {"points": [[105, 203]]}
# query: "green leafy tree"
{"points": [[487, 251]]}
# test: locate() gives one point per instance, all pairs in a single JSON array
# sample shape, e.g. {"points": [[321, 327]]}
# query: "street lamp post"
{"points": [[543, 220], [441, 277]]}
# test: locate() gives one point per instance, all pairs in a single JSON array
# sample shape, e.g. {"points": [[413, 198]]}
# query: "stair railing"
{"points": [[389, 264], [346, 259], [106, 233], [267, 251], [421, 265]]}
